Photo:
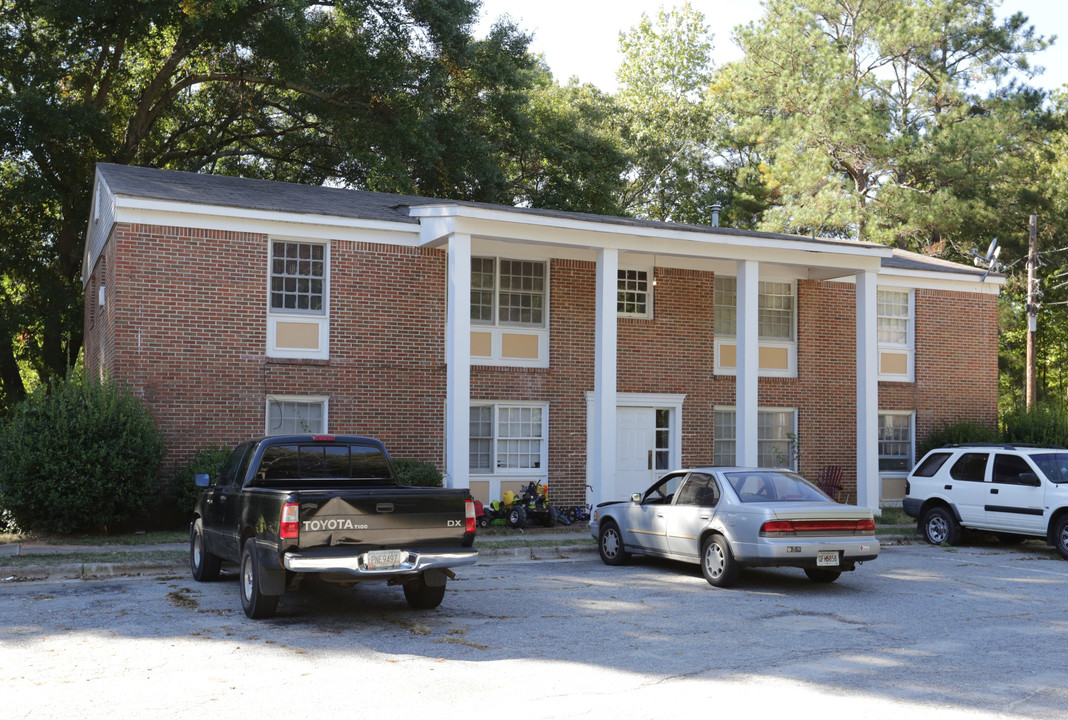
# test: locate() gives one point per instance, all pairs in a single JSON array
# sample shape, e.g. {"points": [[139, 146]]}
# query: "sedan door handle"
{"points": [[703, 517]]}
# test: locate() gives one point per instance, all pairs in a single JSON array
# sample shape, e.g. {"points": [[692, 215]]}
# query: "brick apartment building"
{"points": [[511, 344]]}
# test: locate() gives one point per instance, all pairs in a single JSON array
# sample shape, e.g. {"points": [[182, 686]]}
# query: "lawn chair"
{"points": [[829, 480]]}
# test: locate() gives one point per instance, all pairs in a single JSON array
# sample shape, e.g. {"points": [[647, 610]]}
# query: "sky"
{"points": [[581, 37]]}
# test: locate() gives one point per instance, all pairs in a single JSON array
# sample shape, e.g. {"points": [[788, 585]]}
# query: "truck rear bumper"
{"points": [[330, 560]]}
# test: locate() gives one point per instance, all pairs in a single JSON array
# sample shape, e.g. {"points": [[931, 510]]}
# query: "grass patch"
{"points": [[894, 516], [154, 537]]}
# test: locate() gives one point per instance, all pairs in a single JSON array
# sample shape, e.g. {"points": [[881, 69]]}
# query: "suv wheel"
{"points": [[940, 527], [1060, 536]]}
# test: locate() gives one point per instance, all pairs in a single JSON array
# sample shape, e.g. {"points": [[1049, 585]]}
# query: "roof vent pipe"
{"points": [[715, 214]]}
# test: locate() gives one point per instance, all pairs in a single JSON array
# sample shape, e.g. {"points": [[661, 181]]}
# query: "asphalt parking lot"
{"points": [[973, 631]]}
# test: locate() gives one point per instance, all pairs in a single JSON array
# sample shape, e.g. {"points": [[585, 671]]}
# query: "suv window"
{"points": [[1008, 468], [970, 467], [1053, 465], [931, 464]]}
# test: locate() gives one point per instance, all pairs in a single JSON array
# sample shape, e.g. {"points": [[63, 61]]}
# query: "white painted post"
{"points": [[868, 489], [747, 397], [458, 363], [603, 425]]}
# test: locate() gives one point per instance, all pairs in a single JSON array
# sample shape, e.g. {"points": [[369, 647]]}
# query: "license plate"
{"points": [[826, 558], [385, 559]]}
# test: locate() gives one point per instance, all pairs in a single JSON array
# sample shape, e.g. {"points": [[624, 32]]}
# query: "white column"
{"points": [[458, 363], [746, 396], [867, 393], [603, 422]]}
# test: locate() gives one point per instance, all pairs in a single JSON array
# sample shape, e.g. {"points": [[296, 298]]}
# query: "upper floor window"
{"points": [[298, 274], [775, 309], [508, 292], [633, 293], [894, 316]]}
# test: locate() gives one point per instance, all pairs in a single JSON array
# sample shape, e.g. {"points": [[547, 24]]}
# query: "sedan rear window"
{"points": [[772, 486]]}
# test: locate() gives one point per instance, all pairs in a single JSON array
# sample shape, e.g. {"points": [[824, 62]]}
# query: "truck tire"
{"points": [[204, 565], [255, 604], [422, 596]]}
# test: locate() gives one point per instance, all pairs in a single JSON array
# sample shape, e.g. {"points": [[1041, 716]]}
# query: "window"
{"points": [[776, 438], [1053, 465], [931, 465], [298, 273], [893, 317], [970, 467], [296, 415], [775, 316], [507, 438], [633, 293], [700, 489], [895, 442], [894, 331], [1009, 469], [508, 292]]}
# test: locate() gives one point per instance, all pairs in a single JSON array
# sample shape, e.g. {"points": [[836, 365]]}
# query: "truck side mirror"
{"points": [[202, 480]]}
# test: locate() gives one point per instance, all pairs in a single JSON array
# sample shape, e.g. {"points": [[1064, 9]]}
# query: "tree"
{"points": [[889, 121], [390, 95], [670, 132]]}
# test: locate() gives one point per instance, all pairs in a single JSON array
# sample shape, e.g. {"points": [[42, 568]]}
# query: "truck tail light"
{"points": [[469, 523], [290, 521]]}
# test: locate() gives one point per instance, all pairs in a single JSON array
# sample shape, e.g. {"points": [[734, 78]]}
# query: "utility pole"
{"points": [[1032, 311]]}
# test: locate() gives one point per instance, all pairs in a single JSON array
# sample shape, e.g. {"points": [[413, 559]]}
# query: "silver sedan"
{"points": [[728, 518]]}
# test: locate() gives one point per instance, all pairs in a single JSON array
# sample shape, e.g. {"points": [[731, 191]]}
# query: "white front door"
{"points": [[635, 450]]}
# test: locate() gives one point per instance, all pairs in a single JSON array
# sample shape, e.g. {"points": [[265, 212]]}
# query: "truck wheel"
{"points": [[517, 517], [255, 604], [1060, 536], [204, 565], [422, 596]]}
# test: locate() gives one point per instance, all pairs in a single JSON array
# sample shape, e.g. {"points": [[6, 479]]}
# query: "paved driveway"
{"points": [[970, 632]]}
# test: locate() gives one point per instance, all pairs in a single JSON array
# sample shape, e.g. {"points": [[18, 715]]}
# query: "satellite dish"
{"points": [[990, 250]]}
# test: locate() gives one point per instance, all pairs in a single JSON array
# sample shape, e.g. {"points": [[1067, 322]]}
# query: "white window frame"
{"points": [[732, 410], [730, 338], [498, 330], [320, 319], [495, 470], [909, 346], [648, 292], [321, 400], [911, 460]]}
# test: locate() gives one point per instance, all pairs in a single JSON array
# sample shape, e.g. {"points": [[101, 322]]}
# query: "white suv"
{"points": [[1009, 490]]}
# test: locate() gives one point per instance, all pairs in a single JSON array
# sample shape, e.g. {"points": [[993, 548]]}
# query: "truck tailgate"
{"points": [[388, 517]]}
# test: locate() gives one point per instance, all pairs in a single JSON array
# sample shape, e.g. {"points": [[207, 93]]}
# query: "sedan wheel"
{"points": [[717, 562], [610, 545], [940, 527]]}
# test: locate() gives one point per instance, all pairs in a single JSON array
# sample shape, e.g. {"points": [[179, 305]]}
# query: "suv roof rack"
{"points": [[1006, 446]]}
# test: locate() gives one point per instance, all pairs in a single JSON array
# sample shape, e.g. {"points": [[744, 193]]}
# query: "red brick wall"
{"points": [[185, 325]]}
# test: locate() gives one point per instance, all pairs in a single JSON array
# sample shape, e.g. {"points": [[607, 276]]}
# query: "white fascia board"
{"points": [[438, 221], [935, 280], [216, 217]]}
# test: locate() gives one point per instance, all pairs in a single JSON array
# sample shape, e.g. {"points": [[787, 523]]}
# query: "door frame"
{"points": [[662, 401]]}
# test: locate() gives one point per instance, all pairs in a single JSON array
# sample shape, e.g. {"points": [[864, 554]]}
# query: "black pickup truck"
{"points": [[284, 507]]}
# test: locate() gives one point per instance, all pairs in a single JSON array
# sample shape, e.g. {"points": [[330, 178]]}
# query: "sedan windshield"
{"points": [[773, 486]]}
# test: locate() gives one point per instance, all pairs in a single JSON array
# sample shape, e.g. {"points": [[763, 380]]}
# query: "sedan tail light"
{"points": [[778, 528]]}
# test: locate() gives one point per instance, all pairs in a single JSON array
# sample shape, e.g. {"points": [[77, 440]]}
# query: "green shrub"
{"points": [[183, 485], [964, 431], [417, 472], [1042, 425], [82, 456]]}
